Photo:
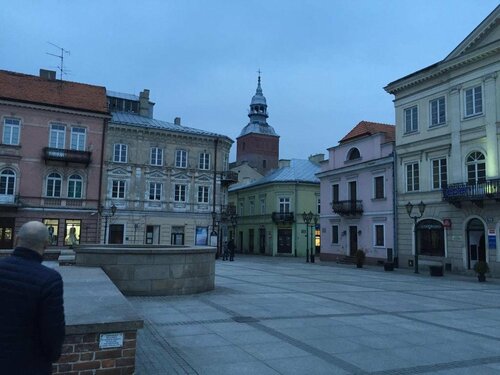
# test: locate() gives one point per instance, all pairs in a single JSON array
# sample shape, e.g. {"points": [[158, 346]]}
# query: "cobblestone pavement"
{"points": [[285, 316]]}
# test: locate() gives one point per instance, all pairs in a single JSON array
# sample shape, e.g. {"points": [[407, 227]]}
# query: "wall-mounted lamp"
{"points": [[359, 232]]}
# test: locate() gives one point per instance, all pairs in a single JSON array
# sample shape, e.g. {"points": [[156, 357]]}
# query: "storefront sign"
{"points": [[492, 239]]}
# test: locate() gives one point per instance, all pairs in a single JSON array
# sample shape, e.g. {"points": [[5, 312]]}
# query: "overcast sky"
{"points": [[324, 63]]}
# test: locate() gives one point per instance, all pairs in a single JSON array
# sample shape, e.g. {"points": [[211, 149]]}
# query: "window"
{"points": [[118, 189], [319, 206], [430, 238], [379, 188], [262, 206], [473, 101], [284, 205], [412, 177], [155, 191], [353, 154], [120, 153], [379, 235], [438, 111], [241, 208], [225, 162], [439, 173], [57, 134], [78, 136], [72, 232], [11, 130], [202, 194], [75, 186], [54, 185], [335, 193], [53, 228], [335, 234], [180, 193], [411, 119], [204, 161], [181, 159], [7, 182], [476, 168], [252, 207], [156, 156]]}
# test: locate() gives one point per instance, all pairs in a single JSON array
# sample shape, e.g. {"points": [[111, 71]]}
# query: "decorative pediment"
{"points": [[204, 178], [181, 176], [157, 174], [118, 172]]}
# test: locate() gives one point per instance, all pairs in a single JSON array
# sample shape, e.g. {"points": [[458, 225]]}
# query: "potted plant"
{"points": [[481, 268], [360, 258]]}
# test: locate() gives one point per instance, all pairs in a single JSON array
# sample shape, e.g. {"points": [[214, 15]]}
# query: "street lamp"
{"points": [[106, 215], [421, 209], [234, 221], [307, 217], [213, 235]]}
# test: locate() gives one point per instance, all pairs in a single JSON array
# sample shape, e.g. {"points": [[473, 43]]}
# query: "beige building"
{"points": [[447, 155], [163, 183]]}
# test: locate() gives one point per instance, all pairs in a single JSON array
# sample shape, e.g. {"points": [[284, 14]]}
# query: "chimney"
{"points": [[284, 163], [48, 74], [177, 121], [145, 109], [317, 158]]}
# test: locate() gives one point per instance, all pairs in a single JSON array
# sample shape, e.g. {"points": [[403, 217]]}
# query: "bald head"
{"points": [[33, 235]]}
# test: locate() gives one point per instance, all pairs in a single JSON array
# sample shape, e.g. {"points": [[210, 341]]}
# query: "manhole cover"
{"points": [[245, 319]]}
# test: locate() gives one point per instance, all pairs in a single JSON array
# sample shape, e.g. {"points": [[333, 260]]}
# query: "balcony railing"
{"points": [[229, 177], [283, 217], [456, 193], [67, 156], [348, 208]]}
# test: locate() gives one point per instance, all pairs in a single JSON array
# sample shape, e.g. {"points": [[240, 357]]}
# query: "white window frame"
{"points": [[120, 151], [437, 104], [155, 191], [338, 234], [412, 126], [181, 159], [57, 135], [203, 194], [8, 182], [284, 205], [474, 111], [375, 187], [78, 138], [53, 185], [412, 163], [180, 193], [73, 181], [479, 166], [118, 189], [440, 172], [156, 156], [11, 131], [333, 193], [204, 161], [375, 234], [262, 206]]}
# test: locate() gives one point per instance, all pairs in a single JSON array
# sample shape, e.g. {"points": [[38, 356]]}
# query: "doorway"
{"points": [[353, 239], [284, 241], [116, 233], [262, 240], [476, 248]]}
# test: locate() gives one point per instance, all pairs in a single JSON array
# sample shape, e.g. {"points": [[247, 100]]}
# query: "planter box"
{"points": [[436, 270]]}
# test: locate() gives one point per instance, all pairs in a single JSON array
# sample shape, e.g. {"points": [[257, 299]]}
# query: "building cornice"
{"points": [[55, 108]]}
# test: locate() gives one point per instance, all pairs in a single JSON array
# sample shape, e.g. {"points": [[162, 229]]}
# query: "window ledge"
{"points": [[411, 133], [379, 199], [470, 117], [438, 126]]}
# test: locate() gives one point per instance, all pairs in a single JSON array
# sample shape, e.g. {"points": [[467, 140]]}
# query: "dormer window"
{"points": [[353, 154]]}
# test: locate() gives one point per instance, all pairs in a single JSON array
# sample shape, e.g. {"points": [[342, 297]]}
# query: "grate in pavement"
{"points": [[245, 319]]}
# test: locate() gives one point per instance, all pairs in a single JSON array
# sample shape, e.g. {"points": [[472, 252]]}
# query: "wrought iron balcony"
{"points": [[348, 208], [67, 156], [283, 217], [456, 193], [228, 177]]}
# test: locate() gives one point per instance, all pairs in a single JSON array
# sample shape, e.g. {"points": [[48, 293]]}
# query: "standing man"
{"points": [[231, 248], [31, 306]]}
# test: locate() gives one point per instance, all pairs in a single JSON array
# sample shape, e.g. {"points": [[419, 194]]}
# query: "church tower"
{"points": [[258, 143]]}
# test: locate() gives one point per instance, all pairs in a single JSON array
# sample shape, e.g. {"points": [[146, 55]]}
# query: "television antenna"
{"points": [[61, 58]]}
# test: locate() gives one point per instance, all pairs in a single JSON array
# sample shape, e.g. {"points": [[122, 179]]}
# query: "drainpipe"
{"points": [[216, 143], [101, 172], [395, 251], [296, 217]]}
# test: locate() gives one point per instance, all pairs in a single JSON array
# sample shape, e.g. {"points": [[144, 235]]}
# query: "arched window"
{"points": [[430, 235], [7, 182], [476, 168], [54, 185], [353, 154], [75, 186]]}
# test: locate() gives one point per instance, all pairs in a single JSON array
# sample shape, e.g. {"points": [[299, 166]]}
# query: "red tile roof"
{"points": [[365, 128], [33, 89]]}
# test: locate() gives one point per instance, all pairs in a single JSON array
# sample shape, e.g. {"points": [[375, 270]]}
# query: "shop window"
{"points": [[53, 228], [72, 232]]}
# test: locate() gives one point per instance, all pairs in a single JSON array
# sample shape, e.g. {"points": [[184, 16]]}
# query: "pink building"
{"points": [[356, 189], [52, 134]]}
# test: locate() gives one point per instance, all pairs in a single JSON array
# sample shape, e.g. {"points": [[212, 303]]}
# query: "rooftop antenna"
{"points": [[61, 57]]}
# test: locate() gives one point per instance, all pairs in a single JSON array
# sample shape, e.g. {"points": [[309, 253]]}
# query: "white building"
{"points": [[447, 146]]}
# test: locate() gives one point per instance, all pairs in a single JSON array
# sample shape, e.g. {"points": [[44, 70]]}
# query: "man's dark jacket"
{"points": [[31, 314]]}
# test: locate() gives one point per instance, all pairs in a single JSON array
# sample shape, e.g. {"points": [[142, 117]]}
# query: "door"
{"points": [[284, 241], [475, 243], [262, 241], [353, 240], [7, 232], [152, 235], [250, 240], [116, 233]]}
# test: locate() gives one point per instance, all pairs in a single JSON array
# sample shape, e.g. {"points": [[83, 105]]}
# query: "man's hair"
{"points": [[34, 235]]}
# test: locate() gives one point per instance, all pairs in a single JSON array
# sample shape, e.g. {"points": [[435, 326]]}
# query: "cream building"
{"points": [[163, 183], [447, 147]]}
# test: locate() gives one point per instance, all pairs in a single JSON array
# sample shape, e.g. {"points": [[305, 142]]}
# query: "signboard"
{"points": [[492, 239], [201, 236], [110, 340]]}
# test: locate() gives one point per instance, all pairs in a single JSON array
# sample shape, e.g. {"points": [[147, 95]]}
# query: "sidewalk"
{"points": [[284, 316]]}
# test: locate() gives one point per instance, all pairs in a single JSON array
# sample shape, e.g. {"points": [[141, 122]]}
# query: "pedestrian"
{"points": [[231, 248], [225, 254], [32, 323]]}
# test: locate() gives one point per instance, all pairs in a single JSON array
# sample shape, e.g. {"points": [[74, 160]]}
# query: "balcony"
{"points": [[228, 177], [9, 202], [66, 156], [283, 217], [476, 193], [348, 208]]}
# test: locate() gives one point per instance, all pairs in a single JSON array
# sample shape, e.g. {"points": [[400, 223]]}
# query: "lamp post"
{"points": [[213, 235], [106, 216], [421, 209], [313, 237], [234, 221], [307, 217]]}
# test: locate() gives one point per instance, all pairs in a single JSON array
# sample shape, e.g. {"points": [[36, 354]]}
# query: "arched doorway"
{"points": [[476, 249]]}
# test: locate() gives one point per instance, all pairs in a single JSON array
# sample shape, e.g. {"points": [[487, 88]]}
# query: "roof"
{"points": [[146, 122], [299, 171], [64, 94], [121, 95], [370, 128], [258, 128]]}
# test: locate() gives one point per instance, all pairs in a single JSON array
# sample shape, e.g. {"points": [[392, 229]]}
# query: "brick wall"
{"points": [[81, 356]]}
